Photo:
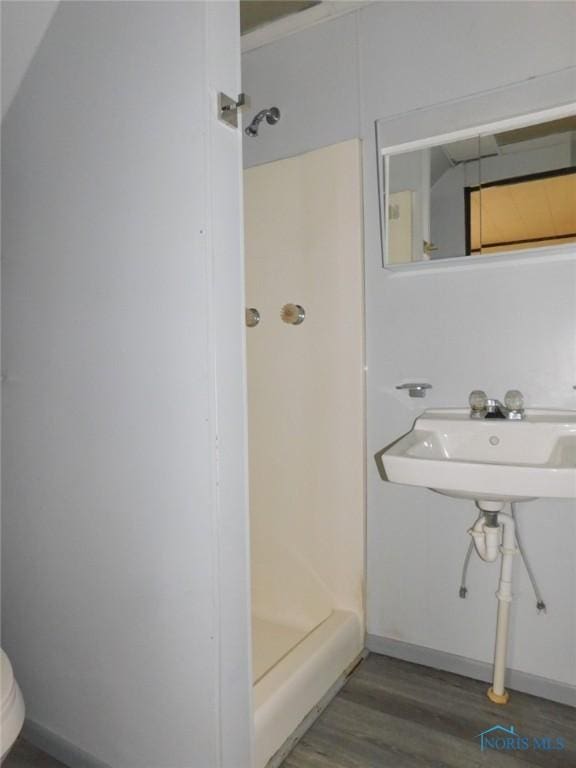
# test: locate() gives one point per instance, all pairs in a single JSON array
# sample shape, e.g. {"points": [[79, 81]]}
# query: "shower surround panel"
{"points": [[306, 431]]}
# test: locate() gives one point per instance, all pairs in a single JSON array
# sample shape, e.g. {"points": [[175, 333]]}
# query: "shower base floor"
{"points": [[295, 683], [270, 643]]}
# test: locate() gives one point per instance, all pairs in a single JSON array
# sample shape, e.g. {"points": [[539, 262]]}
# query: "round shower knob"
{"points": [[293, 314], [252, 317]]}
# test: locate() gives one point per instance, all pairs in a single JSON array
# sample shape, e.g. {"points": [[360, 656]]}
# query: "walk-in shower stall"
{"points": [[304, 278]]}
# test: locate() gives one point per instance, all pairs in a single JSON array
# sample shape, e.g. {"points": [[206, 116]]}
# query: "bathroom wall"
{"points": [[125, 577], [492, 326], [24, 25]]}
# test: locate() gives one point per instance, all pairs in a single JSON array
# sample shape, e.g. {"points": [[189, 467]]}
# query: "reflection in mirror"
{"points": [[409, 186], [457, 168], [482, 195], [527, 194]]}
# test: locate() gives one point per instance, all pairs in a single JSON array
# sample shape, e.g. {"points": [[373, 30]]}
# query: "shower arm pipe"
{"points": [[271, 115]]}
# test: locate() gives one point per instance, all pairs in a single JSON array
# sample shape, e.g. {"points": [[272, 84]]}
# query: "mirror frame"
{"points": [[501, 111]]}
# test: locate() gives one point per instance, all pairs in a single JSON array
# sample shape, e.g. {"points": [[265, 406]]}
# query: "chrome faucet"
{"points": [[483, 407]]}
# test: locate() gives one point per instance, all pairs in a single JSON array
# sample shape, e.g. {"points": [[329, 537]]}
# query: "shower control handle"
{"points": [[293, 314], [252, 317]]}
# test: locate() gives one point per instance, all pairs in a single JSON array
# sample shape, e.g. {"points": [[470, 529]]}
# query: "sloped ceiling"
{"points": [[24, 24], [23, 27]]}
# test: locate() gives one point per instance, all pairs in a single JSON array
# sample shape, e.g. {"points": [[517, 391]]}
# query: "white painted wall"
{"points": [[125, 575], [490, 326]]}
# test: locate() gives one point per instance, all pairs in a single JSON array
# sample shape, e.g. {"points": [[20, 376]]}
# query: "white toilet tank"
{"points": [[11, 707]]}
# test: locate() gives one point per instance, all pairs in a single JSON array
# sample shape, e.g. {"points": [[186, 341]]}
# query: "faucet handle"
{"points": [[514, 401], [478, 400]]}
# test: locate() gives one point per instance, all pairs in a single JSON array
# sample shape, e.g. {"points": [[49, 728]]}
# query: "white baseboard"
{"points": [[59, 748], [478, 670]]}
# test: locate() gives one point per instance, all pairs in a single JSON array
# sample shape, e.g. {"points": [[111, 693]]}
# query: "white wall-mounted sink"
{"points": [[488, 459]]}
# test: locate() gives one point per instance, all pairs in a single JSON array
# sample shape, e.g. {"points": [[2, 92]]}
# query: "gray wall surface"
{"points": [[493, 326], [125, 586], [23, 27]]}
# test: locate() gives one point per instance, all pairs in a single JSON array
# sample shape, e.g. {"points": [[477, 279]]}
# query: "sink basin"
{"points": [[488, 459]]}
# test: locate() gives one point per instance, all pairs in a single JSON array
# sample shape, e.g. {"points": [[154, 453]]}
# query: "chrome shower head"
{"points": [[271, 115]]}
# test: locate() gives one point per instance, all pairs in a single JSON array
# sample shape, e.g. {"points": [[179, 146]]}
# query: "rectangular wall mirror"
{"points": [[487, 193]]}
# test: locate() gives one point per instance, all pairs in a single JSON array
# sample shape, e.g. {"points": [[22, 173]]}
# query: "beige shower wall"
{"points": [[303, 219]]}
